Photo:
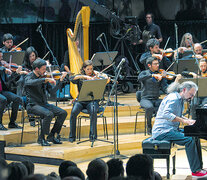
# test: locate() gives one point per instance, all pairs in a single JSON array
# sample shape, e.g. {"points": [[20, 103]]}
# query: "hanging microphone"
{"points": [[99, 37], [39, 28], [121, 63]]}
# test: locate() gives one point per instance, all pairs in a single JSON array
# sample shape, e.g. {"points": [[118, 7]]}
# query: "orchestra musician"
{"points": [[7, 42], [153, 50], [87, 73], [168, 119], [151, 30], [30, 56], [6, 96], [199, 101], [36, 86], [186, 44], [152, 82]]}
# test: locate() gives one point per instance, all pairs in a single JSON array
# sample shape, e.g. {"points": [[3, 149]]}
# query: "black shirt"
{"points": [[154, 29], [151, 86], [36, 88]]}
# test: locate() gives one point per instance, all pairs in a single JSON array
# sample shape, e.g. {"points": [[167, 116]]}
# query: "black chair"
{"points": [[141, 111], [160, 150], [33, 117], [86, 116]]}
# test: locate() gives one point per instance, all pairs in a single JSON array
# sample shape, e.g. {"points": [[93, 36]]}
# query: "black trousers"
{"points": [[77, 107], [47, 112], [150, 107], [7, 97]]}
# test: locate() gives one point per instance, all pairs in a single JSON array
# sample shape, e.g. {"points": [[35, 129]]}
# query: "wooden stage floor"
{"points": [[47, 159]]}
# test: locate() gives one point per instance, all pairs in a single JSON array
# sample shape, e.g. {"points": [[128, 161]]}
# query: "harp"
{"points": [[78, 44]]}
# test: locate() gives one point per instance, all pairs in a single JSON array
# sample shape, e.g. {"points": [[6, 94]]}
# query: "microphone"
{"points": [[99, 37], [121, 63], [39, 28]]}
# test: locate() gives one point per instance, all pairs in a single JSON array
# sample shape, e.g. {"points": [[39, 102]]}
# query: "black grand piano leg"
{"points": [[198, 145]]}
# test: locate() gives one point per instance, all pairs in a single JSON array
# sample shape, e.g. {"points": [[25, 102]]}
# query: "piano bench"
{"points": [[160, 150]]}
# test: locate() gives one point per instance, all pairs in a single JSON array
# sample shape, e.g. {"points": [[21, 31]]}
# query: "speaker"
{"points": [[2, 145]]}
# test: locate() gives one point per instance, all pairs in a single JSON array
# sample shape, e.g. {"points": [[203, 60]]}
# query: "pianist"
{"points": [[168, 118]]}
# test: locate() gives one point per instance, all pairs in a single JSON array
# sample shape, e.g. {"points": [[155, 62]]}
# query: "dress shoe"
{"points": [[2, 128], [51, 138], [71, 140], [43, 142], [14, 125]]}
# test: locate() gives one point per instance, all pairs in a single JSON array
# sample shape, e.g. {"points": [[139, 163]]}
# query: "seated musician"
{"points": [[152, 82], [36, 86], [168, 119], [87, 73], [154, 51], [30, 56], [7, 42], [186, 44], [6, 96], [199, 101]]}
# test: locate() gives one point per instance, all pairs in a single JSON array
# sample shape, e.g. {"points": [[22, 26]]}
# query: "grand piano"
{"points": [[198, 129]]}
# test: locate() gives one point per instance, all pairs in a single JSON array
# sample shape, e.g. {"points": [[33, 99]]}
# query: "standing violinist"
{"points": [[87, 73], [152, 82], [153, 50], [6, 96], [36, 86]]}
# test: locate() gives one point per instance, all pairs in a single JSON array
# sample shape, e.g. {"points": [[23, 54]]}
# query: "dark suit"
{"points": [[6, 96]]}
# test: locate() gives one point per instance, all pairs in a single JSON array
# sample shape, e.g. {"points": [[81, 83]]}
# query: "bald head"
{"points": [[198, 48]]}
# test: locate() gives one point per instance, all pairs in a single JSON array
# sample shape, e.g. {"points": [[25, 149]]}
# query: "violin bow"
{"points": [[168, 39], [46, 55], [19, 44], [203, 42]]}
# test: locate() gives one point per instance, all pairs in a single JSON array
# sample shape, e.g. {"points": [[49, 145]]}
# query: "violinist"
{"points": [[36, 86], [30, 56], [7, 42], [87, 73], [6, 96], [152, 82], [185, 45], [153, 50]]}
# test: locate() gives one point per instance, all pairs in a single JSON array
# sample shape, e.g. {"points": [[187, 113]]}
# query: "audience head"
{"points": [[73, 171], [35, 177], [97, 170], [64, 165], [115, 168], [140, 165], [71, 178], [3, 169], [17, 171], [30, 166], [157, 176]]}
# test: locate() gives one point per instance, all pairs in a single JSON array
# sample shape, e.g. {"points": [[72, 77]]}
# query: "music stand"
{"points": [[102, 58], [186, 65], [201, 83], [17, 57], [92, 90]]}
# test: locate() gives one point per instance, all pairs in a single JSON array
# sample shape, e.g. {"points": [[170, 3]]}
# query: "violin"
{"points": [[168, 75], [13, 66], [55, 75], [168, 52], [15, 49]]}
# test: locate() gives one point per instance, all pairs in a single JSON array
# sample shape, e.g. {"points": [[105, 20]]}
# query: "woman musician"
{"points": [[87, 73]]}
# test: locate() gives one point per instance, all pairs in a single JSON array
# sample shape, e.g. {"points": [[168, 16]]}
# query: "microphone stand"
{"points": [[54, 61], [116, 127]]}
